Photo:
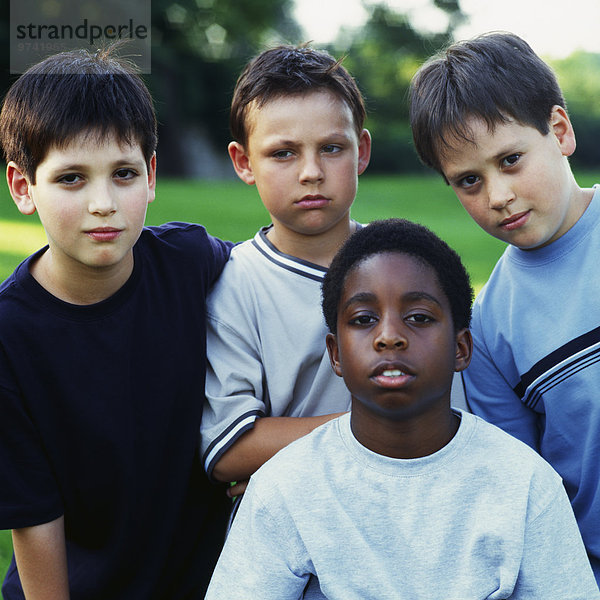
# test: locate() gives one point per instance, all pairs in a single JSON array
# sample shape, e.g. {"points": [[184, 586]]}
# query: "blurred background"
{"points": [[200, 46]]}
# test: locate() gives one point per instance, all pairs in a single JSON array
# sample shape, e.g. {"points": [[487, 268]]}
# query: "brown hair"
{"points": [[72, 93], [288, 70], [494, 77]]}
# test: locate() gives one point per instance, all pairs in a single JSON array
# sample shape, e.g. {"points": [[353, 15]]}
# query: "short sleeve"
{"points": [[489, 394], [554, 562], [263, 556], [28, 492], [235, 387]]}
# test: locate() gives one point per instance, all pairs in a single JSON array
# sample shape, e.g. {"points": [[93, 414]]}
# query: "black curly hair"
{"points": [[405, 237]]}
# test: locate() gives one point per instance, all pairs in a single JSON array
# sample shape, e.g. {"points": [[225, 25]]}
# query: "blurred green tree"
{"points": [[383, 56], [198, 49], [200, 46], [579, 77]]}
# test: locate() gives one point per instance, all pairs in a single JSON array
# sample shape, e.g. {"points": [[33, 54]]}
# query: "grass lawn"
{"points": [[233, 211]]}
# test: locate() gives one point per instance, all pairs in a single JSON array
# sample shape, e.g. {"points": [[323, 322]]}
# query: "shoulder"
{"points": [[293, 466], [243, 271], [509, 456], [12, 289], [256, 272], [184, 245], [182, 235], [243, 261]]}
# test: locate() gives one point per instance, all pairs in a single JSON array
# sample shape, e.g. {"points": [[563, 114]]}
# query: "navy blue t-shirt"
{"points": [[100, 409]]}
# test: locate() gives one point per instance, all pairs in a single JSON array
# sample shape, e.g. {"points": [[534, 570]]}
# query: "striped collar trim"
{"points": [[286, 261]]}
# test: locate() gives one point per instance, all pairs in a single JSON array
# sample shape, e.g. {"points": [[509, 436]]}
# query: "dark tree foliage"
{"points": [[383, 56], [200, 46], [198, 50]]}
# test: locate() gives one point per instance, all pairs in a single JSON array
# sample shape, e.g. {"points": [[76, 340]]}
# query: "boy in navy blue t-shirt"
{"points": [[102, 342]]}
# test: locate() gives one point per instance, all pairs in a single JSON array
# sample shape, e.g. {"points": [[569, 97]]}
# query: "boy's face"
{"points": [[515, 182], [396, 347], [91, 197], [304, 155]]}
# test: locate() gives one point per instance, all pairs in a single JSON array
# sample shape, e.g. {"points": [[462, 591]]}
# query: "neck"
{"points": [[413, 437], [77, 283], [318, 248]]}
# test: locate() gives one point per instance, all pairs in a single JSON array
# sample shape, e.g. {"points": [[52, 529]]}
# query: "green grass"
{"points": [[232, 210]]}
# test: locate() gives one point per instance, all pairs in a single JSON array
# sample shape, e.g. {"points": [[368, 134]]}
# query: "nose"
{"points": [[102, 200], [500, 193], [390, 334], [311, 170]]}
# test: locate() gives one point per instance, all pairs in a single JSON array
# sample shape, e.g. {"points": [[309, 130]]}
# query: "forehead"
{"points": [[392, 273], [91, 146], [293, 110]]}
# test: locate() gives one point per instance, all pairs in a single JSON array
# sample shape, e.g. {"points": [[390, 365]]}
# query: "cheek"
{"points": [[270, 183], [61, 216], [474, 206]]}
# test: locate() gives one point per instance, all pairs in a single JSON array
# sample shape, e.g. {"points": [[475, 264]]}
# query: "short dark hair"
{"points": [[288, 70], [71, 93], [493, 77], [404, 237]]}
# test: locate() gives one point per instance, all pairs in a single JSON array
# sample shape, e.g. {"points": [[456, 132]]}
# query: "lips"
{"points": [[391, 375], [515, 221], [104, 234], [312, 202]]}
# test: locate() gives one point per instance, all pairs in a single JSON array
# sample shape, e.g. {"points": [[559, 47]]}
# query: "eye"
{"points": [[282, 154], [125, 173], [331, 149], [70, 179], [363, 320], [511, 160], [420, 318], [468, 182]]}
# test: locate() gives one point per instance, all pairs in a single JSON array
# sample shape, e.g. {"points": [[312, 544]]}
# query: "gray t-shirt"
{"points": [[484, 517]]}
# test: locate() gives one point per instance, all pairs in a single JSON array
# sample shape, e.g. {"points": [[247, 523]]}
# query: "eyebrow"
{"points": [[357, 298], [415, 296], [123, 161], [409, 296]]}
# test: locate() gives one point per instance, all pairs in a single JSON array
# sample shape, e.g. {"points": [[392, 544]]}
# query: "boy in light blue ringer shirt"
{"points": [[489, 115]]}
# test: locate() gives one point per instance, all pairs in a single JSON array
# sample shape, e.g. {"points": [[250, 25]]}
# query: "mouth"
{"points": [[515, 221], [312, 201], [104, 234], [391, 375]]}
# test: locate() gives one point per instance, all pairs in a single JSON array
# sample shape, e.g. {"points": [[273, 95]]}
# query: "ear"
{"points": [[464, 350], [560, 126], [19, 187], [152, 179], [334, 354], [364, 150], [241, 162]]}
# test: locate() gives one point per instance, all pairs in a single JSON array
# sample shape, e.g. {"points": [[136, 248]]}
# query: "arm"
{"points": [[488, 390], [554, 562], [41, 557], [259, 444], [258, 371], [263, 556]]}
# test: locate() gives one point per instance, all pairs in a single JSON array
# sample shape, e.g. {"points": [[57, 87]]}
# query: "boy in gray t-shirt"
{"points": [[404, 497]]}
